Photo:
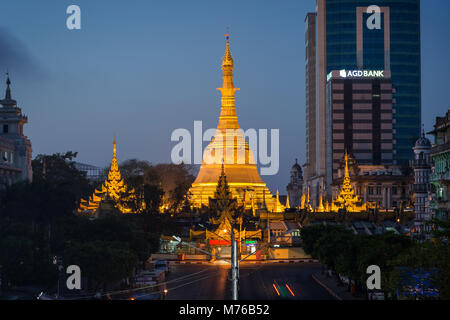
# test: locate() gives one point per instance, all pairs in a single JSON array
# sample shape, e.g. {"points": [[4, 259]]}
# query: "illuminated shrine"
{"points": [[114, 189], [228, 220], [229, 146], [347, 199]]}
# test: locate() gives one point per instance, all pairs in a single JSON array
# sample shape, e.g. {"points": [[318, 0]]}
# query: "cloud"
{"points": [[15, 56]]}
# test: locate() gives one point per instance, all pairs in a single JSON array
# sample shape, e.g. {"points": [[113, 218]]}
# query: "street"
{"points": [[257, 282]]}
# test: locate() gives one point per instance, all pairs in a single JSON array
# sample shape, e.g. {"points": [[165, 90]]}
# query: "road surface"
{"points": [[257, 282]]}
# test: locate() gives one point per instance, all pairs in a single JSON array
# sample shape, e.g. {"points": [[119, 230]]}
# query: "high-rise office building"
{"points": [[362, 35], [359, 120]]}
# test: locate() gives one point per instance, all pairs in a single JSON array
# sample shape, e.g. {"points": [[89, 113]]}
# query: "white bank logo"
{"points": [[361, 73]]}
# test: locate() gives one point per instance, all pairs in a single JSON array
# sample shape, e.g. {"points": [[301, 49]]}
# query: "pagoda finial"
{"points": [[347, 175], [115, 148], [8, 101], [227, 59], [8, 88]]}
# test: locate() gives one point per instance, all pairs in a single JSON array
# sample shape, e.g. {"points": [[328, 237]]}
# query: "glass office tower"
{"points": [[403, 43], [341, 35]]}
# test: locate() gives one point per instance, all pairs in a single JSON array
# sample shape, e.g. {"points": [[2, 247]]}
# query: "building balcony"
{"points": [[419, 163]]}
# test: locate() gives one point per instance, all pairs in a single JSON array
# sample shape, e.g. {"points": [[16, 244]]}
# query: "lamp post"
{"points": [[234, 268]]}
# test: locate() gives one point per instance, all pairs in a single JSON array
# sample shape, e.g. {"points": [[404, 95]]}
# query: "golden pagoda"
{"points": [[115, 189], [347, 198], [230, 147], [288, 205], [321, 208], [302, 202]]}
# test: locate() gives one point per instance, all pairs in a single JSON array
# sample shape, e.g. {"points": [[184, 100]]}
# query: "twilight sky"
{"points": [[140, 69]]}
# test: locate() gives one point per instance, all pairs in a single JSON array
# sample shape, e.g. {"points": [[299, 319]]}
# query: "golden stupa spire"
{"points": [[288, 205], [302, 202], [347, 197], [347, 175], [228, 117], [321, 208], [346, 185], [114, 186], [230, 147], [227, 61], [115, 150]]}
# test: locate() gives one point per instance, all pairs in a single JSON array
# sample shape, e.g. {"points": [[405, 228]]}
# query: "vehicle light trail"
{"points": [[275, 287], [287, 286]]}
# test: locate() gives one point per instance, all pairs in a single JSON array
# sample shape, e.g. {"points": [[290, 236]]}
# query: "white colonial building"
{"points": [[422, 169], [15, 148]]}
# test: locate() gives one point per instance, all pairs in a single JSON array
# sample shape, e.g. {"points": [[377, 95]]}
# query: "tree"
{"points": [[104, 262], [133, 171], [57, 186], [174, 179], [16, 260], [441, 229]]}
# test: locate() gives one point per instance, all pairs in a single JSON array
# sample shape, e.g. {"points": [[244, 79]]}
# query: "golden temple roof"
{"points": [[114, 187], [347, 198], [229, 146]]}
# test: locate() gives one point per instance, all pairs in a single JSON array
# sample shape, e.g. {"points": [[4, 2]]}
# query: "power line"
{"points": [[144, 287]]}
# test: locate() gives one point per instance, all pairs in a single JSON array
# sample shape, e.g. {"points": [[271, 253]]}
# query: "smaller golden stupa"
{"points": [[115, 189], [347, 199]]}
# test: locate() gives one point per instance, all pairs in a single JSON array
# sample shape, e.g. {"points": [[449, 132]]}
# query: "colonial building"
{"points": [[230, 148], [422, 169], [387, 186], [294, 188], [440, 176], [15, 148]]}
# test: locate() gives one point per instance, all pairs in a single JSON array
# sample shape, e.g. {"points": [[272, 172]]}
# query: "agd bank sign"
{"points": [[361, 73]]}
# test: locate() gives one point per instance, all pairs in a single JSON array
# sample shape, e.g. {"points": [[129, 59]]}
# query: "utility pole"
{"points": [[234, 259], [234, 268]]}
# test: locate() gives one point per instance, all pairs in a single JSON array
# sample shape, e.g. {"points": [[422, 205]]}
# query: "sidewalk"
{"points": [[331, 285]]}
